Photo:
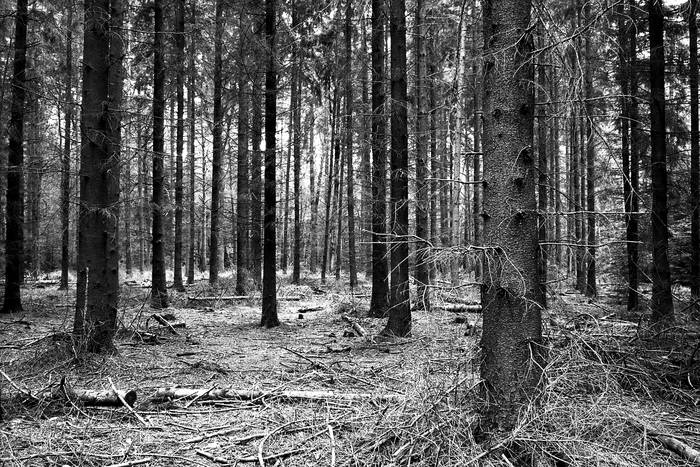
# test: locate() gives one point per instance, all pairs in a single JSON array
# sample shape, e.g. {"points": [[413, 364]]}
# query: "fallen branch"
{"points": [[90, 397], [355, 326], [231, 298], [223, 432], [166, 394], [459, 308], [145, 460], [211, 457], [310, 309], [161, 320], [126, 404], [671, 442]]}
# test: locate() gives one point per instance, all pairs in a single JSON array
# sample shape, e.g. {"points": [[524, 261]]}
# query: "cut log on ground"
{"points": [[460, 308], [89, 397], [173, 393], [310, 309]]}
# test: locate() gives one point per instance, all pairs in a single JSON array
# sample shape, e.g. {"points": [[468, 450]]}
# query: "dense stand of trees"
{"points": [[516, 149]]}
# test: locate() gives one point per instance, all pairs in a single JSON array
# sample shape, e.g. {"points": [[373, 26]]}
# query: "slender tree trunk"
{"points": [[352, 252], [14, 243], [339, 193], [315, 184], [159, 293], [243, 187], [288, 170], [296, 253], [191, 143], [422, 185], [329, 185], [366, 211], [269, 295], [179, 144], [65, 173], [399, 323], [128, 186], [434, 157], [636, 136], [511, 343], [694, 155], [456, 219], [216, 172], [661, 298], [140, 191], [99, 167], [476, 212], [256, 183]]}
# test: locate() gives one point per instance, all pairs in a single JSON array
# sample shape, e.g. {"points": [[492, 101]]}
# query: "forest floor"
{"points": [[610, 397]]}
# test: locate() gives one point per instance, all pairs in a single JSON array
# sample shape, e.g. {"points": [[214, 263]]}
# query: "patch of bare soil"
{"points": [[313, 392]]}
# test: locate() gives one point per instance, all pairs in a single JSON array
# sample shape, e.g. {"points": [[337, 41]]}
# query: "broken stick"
{"points": [[355, 326], [165, 394]]}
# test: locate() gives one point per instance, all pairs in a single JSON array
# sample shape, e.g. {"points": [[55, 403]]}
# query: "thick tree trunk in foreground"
{"points": [[65, 166], [422, 167], [99, 174], [636, 137], [512, 356], [242, 185], [159, 294], [694, 155], [269, 295], [661, 298], [179, 144], [216, 157], [14, 242], [399, 323]]}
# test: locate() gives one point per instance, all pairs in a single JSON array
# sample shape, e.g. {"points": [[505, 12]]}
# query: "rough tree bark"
{"points": [[269, 295], [256, 183], [542, 173], [96, 323], [159, 293], [512, 355], [379, 304], [591, 288], [179, 144], [296, 253], [242, 185], [399, 323], [350, 184], [333, 104], [65, 166], [216, 157], [191, 143], [14, 241], [694, 155], [422, 186], [661, 298], [636, 136]]}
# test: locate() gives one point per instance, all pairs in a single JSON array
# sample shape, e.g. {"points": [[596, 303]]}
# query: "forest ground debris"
{"points": [[602, 381]]}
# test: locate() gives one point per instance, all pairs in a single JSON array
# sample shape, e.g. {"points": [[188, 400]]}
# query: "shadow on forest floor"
{"points": [[604, 382]]}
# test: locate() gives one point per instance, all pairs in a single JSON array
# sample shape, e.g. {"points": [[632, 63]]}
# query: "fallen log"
{"points": [[671, 442], [167, 394], [90, 397], [171, 326], [460, 308], [309, 309]]}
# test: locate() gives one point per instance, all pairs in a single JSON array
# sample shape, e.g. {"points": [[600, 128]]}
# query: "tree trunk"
{"points": [[14, 242], [636, 136], [191, 120], [216, 157], [315, 184], [422, 185], [269, 295], [512, 352], [366, 211], [352, 252], [99, 168], [296, 253], [243, 187], [329, 185], [65, 173], [256, 183], [476, 212], [288, 169], [456, 218], [661, 298], [399, 323], [434, 157], [543, 175], [591, 288], [694, 155], [159, 293], [339, 192], [179, 144]]}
